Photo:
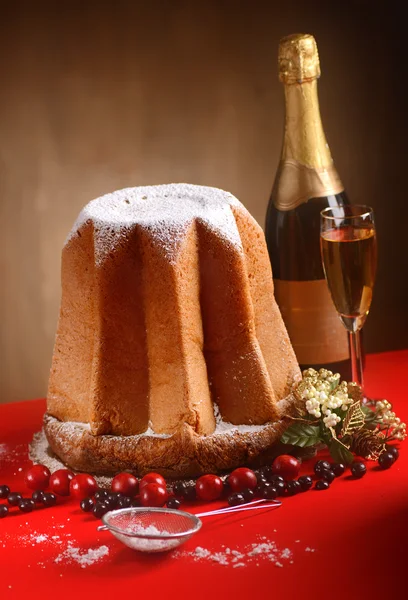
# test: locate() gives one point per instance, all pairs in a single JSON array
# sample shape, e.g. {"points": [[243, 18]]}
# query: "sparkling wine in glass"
{"points": [[348, 246]]}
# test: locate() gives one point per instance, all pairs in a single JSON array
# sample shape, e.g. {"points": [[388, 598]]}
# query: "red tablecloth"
{"points": [[347, 542]]}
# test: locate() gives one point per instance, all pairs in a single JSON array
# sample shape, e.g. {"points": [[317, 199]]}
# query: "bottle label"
{"points": [[315, 330], [299, 183]]}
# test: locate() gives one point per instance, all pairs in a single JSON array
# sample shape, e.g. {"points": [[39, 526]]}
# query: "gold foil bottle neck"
{"points": [[306, 169], [298, 58]]}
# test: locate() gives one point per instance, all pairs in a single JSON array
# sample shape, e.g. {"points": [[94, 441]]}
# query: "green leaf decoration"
{"points": [[302, 434], [334, 384], [369, 415], [340, 453]]}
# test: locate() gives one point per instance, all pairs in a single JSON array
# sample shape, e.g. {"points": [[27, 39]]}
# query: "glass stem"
{"points": [[356, 358]]}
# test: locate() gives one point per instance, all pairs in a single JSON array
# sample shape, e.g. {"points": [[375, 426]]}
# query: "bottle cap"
{"points": [[298, 58]]}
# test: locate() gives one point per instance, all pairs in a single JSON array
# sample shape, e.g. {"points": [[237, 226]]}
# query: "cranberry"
{"points": [[338, 469], [269, 491], [123, 502], [321, 465], [86, 504], [394, 451], [209, 487], [242, 478], [248, 494], [261, 478], [274, 479], [125, 483], [111, 501], [293, 488], [306, 482], [101, 495], [386, 460], [286, 466], [99, 510], [179, 488], [37, 478], [190, 493], [173, 503], [153, 494], [259, 488], [4, 491], [114, 498], [358, 469], [49, 499], [37, 496], [3, 511], [236, 499], [327, 475], [152, 478], [280, 487], [26, 505], [60, 480], [321, 485], [14, 498], [82, 486]]}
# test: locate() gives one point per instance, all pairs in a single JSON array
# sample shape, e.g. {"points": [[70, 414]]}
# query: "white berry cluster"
{"points": [[331, 419], [387, 419], [323, 394]]}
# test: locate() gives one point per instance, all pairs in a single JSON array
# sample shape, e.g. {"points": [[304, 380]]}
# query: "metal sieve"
{"points": [[163, 529]]}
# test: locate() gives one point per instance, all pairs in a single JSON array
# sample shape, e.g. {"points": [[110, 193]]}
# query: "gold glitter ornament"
{"points": [[353, 421], [368, 444]]}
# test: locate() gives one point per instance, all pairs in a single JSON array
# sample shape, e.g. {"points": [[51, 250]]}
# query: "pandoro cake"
{"points": [[171, 354]]}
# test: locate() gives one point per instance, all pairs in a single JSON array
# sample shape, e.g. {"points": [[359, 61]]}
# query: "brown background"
{"points": [[98, 96]]}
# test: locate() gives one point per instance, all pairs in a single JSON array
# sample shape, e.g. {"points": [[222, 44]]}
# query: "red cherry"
{"points": [[241, 479], [60, 480], [209, 487], [82, 486], [153, 494], [125, 484], [152, 478], [286, 466], [37, 478]]}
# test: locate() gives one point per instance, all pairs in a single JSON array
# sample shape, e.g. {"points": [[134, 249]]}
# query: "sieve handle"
{"points": [[264, 503], [102, 528]]}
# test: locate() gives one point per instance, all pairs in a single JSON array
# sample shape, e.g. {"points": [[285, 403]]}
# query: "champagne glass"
{"points": [[348, 246]]}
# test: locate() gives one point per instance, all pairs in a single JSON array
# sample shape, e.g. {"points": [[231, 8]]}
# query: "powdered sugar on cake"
{"points": [[225, 428], [166, 211], [222, 428]]}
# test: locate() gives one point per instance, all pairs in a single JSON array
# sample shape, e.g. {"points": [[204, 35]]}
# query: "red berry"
{"points": [[152, 478], [125, 484], [60, 480], [242, 478], [209, 487], [37, 478], [153, 494], [286, 466], [82, 486]]}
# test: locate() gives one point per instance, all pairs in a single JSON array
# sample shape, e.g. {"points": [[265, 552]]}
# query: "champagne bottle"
{"points": [[306, 182]]}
